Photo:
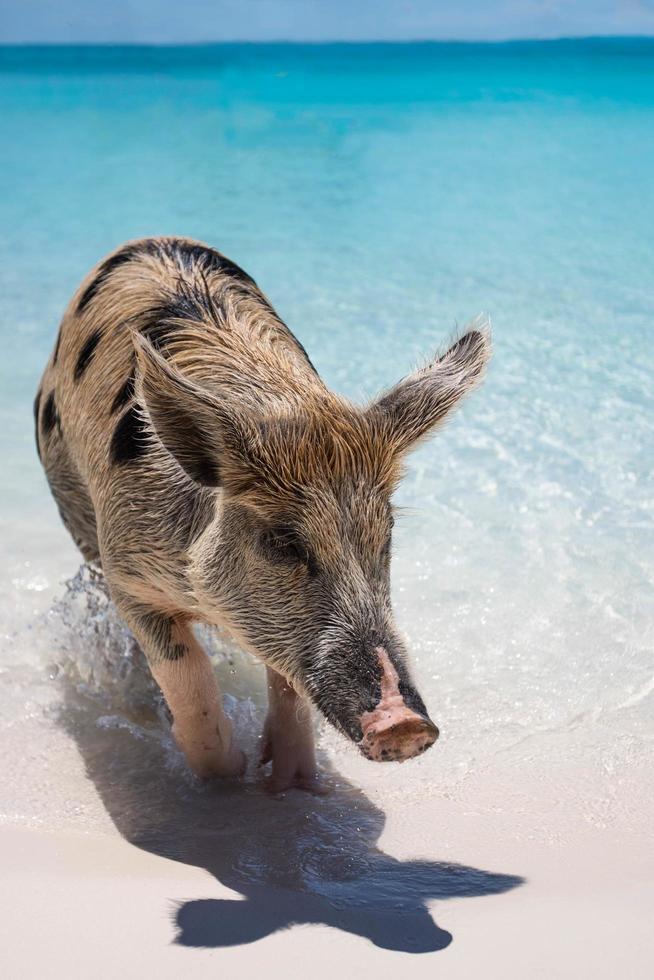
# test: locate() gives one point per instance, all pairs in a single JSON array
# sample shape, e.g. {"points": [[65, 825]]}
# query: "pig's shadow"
{"points": [[293, 861]]}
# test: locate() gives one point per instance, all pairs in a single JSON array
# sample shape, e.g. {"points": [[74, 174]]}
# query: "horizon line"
{"points": [[327, 42]]}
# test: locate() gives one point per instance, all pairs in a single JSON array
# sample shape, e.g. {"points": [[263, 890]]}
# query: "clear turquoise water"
{"points": [[381, 195]]}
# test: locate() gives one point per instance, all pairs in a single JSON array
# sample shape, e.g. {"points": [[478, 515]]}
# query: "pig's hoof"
{"points": [[233, 766], [209, 762], [277, 785], [292, 768]]}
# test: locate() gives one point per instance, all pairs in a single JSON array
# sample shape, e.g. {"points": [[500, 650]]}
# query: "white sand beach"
{"points": [[92, 904]]}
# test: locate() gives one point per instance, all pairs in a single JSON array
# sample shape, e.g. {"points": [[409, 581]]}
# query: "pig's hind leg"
{"points": [[183, 671], [288, 739]]}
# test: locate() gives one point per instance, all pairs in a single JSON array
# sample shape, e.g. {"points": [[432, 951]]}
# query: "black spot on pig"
{"points": [[129, 441], [191, 257], [86, 354], [109, 266], [37, 404], [50, 416]]}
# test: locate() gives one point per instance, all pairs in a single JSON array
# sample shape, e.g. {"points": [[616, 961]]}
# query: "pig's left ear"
{"points": [[207, 435], [425, 398]]}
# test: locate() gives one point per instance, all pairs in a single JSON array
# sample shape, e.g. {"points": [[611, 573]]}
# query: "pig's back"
{"points": [[187, 299]]}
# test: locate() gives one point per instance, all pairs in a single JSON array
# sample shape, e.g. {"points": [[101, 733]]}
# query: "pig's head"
{"points": [[296, 561]]}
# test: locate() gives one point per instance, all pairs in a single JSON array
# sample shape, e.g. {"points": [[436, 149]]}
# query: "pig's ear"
{"points": [[425, 398], [195, 426]]}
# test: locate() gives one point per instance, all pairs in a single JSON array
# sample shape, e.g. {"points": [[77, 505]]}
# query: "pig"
{"points": [[198, 458]]}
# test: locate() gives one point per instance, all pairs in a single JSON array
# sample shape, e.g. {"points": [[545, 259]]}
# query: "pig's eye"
{"points": [[282, 545]]}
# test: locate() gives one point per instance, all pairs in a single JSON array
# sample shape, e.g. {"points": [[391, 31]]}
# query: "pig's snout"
{"points": [[393, 732], [397, 737]]}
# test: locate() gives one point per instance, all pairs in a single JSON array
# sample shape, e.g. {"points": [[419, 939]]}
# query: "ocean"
{"points": [[381, 195]]}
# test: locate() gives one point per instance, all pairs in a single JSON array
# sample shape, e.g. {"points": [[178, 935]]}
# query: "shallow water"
{"points": [[380, 196]]}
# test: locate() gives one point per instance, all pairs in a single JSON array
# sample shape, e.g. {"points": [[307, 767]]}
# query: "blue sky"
{"points": [[170, 21]]}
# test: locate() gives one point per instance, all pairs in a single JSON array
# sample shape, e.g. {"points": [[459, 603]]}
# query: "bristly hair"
{"points": [[331, 443]]}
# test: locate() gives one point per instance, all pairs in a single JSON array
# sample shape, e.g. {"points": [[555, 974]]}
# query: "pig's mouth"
{"points": [[392, 731]]}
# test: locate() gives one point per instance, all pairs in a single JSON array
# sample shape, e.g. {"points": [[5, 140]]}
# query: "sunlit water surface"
{"points": [[380, 196]]}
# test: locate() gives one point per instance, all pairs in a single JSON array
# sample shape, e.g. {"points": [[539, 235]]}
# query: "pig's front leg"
{"points": [[288, 739], [183, 671]]}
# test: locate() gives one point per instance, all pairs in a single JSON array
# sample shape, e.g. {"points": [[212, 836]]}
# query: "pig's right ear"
{"points": [[194, 425]]}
